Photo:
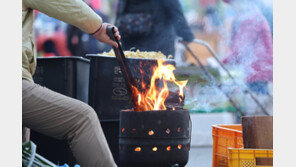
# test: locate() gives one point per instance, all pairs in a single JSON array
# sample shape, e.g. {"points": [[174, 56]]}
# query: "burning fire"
{"points": [[152, 98]]}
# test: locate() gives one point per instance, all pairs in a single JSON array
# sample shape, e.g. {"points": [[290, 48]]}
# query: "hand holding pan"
{"points": [[123, 64]]}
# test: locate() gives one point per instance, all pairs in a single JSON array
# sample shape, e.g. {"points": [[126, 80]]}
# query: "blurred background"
{"points": [[238, 31]]}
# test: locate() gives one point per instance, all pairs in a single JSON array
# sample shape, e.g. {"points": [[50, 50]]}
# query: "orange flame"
{"points": [[153, 98]]}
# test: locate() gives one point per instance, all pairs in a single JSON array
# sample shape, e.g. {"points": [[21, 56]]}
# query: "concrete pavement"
{"points": [[200, 157]]}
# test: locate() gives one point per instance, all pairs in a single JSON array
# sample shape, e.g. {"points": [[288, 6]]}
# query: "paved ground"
{"points": [[200, 157]]}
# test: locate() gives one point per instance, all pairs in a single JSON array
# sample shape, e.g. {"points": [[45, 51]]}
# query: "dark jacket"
{"points": [[86, 44], [168, 23]]}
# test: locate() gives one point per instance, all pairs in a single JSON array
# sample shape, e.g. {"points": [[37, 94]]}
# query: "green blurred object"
{"points": [[196, 77], [215, 110], [195, 74], [31, 159]]}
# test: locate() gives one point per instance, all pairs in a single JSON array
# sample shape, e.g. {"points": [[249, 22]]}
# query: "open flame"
{"points": [[153, 98]]}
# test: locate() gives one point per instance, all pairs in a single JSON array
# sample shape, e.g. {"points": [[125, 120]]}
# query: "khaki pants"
{"points": [[62, 117]]}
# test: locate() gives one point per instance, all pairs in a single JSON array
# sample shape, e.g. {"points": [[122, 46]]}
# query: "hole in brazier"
{"points": [[179, 146], [151, 132], [168, 131], [138, 149], [169, 148], [134, 130]]}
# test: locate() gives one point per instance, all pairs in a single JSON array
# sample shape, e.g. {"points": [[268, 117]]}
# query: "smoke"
{"points": [[248, 50], [251, 42], [204, 98]]}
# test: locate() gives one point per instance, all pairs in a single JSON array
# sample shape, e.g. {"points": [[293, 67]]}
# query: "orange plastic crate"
{"points": [[239, 157], [225, 136]]}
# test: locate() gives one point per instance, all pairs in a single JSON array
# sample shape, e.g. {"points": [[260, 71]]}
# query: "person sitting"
{"points": [[54, 114]]}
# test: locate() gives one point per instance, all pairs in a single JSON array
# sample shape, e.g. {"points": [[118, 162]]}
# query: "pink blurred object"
{"points": [[227, 1], [49, 55], [206, 3], [251, 46], [96, 4], [58, 38], [36, 12]]}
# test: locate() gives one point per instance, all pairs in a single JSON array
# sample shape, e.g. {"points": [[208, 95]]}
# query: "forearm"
{"points": [[74, 12]]}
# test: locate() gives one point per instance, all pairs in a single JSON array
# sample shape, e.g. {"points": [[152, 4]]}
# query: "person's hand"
{"points": [[102, 36]]}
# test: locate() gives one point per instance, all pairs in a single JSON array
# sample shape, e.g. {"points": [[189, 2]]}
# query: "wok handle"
{"points": [[110, 33], [123, 65], [118, 51]]}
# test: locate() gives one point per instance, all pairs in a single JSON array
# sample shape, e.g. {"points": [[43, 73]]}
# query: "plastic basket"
{"points": [[250, 157], [225, 136]]}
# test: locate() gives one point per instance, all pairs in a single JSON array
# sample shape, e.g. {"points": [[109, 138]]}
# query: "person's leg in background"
{"points": [[62, 117]]}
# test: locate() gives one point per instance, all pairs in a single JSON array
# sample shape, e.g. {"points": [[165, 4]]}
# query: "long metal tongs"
{"points": [[219, 85], [123, 65], [245, 91]]}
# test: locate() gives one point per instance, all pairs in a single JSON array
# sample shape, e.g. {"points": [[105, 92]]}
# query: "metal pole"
{"points": [[247, 90], [210, 76]]}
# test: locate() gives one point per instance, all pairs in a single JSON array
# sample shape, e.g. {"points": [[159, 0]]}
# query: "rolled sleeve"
{"points": [[74, 12]]}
